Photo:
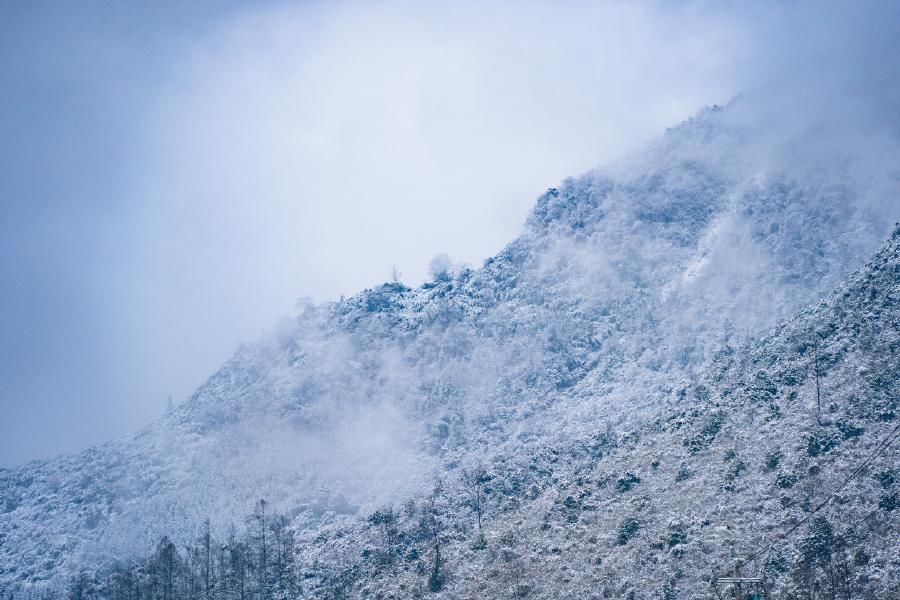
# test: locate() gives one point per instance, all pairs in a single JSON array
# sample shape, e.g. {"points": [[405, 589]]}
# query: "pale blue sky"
{"points": [[74, 79]]}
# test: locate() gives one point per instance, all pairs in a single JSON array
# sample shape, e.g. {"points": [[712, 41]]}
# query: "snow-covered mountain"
{"points": [[599, 342], [757, 459]]}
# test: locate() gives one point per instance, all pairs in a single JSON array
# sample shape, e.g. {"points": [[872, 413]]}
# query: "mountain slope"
{"points": [[781, 453], [745, 453], [741, 463], [625, 281]]}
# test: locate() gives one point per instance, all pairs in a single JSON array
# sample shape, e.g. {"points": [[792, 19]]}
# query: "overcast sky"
{"points": [[175, 175]]}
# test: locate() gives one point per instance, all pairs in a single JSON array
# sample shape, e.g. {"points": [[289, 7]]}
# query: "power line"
{"points": [[760, 581], [881, 447], [863, 519]]}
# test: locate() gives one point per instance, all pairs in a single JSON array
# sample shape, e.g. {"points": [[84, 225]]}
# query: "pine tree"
{"points": [[817, 547], [206, 551], [434, 524], [260, 526]]}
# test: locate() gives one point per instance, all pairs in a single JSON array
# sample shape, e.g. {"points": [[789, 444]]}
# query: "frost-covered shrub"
{"points": [[712, 424], [480, 542], [818, 545], [627, 530], [627, 481], [762, 390], [385, 298], [440, 268], [791, 375], [669, 591], [848, 429], [683, 473], [734, 471], [677, 534], [775, 563], [571, 509], [820, 442], [773, 459], [886, 478], [785, 480]]}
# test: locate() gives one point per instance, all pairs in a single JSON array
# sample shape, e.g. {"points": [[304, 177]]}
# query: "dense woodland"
{"points": [[263, 562], [266, 561]]}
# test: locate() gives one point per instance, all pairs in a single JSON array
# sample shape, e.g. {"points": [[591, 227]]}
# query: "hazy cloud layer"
{"points": [[175, 179]]}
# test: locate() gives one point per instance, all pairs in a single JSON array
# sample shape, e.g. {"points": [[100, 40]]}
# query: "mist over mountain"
{"points": [[614, 363]]}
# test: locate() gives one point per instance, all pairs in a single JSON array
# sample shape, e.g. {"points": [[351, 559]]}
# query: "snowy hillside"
{"points": [[741, 463], [587, 350]]}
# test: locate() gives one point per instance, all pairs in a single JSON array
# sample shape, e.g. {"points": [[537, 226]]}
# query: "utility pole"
{"points": [[754, 583]]}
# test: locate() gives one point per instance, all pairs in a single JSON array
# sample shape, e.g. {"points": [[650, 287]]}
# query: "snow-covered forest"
{"points": [[689, 358], [782, 454]]}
